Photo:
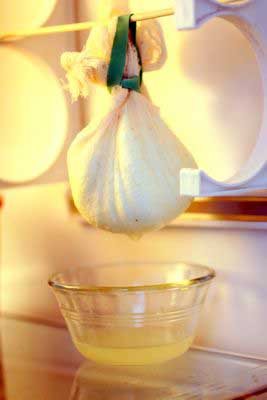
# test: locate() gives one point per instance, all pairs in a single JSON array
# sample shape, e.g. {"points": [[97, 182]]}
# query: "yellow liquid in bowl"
{"points": [[134, 355]]}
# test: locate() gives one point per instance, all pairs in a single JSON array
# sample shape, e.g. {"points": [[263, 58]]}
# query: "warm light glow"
{"points": [[17, 14], [33, 122]]}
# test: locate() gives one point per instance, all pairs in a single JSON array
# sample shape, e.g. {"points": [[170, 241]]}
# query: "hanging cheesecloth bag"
{"points": [[124, 169]]}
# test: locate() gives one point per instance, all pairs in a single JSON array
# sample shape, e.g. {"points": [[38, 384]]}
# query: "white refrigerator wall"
{"points": [[209, 91]]}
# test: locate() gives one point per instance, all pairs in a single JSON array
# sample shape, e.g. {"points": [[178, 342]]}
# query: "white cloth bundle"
{"points": [[124, 170]]}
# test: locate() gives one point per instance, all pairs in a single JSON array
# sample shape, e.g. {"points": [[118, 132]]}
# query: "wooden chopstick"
{"points": [[80, 26]]}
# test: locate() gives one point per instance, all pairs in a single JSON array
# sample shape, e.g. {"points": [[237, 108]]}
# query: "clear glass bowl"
{"points": [[132, 314]]}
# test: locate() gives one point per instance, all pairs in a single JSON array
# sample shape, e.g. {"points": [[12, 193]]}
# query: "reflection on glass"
{"points": [[119, 383], [196, 375]]}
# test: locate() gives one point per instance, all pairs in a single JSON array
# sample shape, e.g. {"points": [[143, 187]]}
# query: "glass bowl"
{"points": [[132, 314]]}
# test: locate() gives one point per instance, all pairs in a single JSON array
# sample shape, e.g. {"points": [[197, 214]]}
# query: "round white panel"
{"points": [[210, 93], [33, 116], [24, 14]]}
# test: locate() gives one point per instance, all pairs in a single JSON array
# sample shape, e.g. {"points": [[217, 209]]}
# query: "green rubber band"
{"points": [[131, 83], [133, 32], [118, 56], [118, 53]]}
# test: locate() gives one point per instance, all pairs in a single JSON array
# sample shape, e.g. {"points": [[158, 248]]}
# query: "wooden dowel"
{"points": [[80, 26], [152, 14], [47, 30]]}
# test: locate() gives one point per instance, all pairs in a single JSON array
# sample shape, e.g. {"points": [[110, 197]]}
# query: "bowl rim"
{"points": [[201, 280]]}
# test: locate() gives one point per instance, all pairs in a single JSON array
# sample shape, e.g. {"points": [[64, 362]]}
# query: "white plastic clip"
{"points": [[191, 14], [185, 14]]}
